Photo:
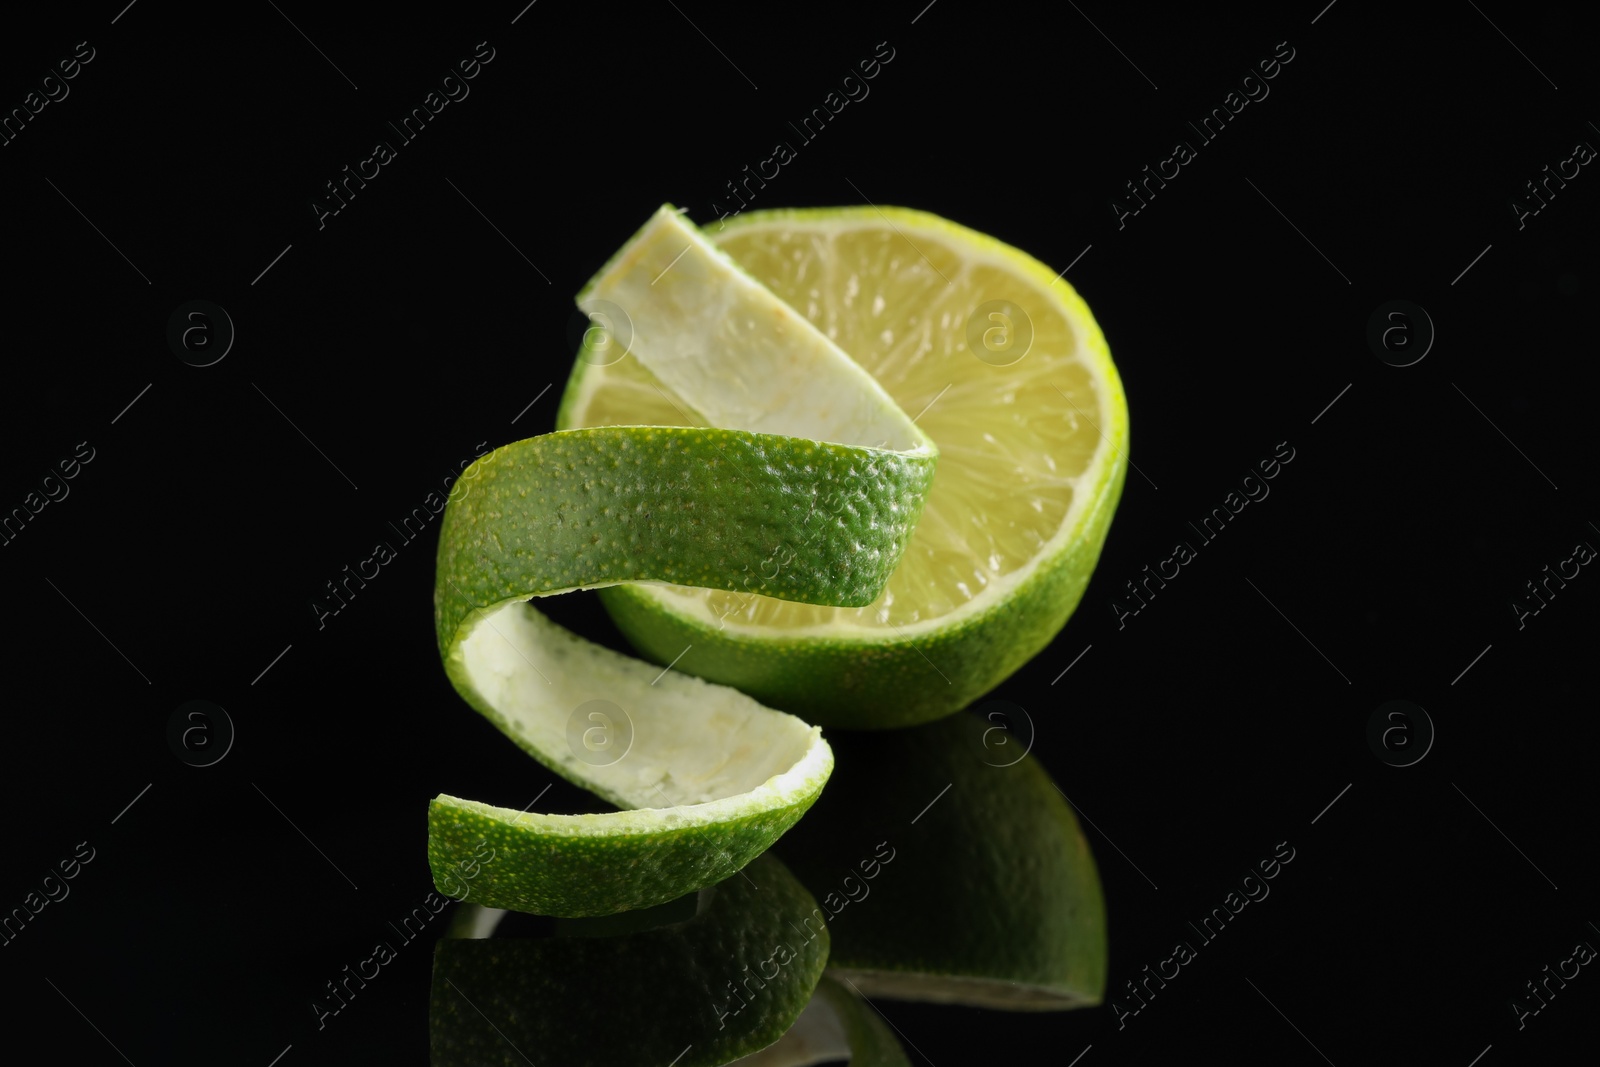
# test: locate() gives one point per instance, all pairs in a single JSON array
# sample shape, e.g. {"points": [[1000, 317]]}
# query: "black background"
{"points": [[429, 313]]}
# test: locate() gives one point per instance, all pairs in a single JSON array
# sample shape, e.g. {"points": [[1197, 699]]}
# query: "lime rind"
{"points": [[583, 865], [798, 519], [812, 502], [761, 773], [721, 775]]}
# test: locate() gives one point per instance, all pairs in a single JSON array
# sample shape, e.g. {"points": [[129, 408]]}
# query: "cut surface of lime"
{"points": [[1006, 371], [811, 502]]}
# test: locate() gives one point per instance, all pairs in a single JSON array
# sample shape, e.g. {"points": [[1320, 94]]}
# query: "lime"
{"points": [[724, 983], [1010, 376], [811, 502], [951, 869]]}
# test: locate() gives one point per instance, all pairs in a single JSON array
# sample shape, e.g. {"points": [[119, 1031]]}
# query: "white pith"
{"points": [[700, 753]]}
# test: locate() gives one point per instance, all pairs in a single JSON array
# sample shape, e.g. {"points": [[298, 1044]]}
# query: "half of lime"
{"points": [[1004, 368]]}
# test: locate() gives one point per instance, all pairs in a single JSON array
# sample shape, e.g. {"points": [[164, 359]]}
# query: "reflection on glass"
{"points": [[941, 864], [698, 982], [950, 868], [836, 1027]]}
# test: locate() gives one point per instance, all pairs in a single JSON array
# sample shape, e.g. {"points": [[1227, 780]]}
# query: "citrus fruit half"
{"points": [[1007, 372]]}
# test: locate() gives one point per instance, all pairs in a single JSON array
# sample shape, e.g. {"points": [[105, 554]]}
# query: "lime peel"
{"points": [[811, 503], [1034, 456]]}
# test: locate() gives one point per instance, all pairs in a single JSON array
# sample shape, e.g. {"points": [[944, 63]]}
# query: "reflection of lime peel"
{"points": [[474, 921], [970, 992], [836, 1026], [493, 1001], [591, 508]]}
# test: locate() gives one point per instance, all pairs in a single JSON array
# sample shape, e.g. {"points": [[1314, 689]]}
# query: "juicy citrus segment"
{"points": [[1002, 365]]}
